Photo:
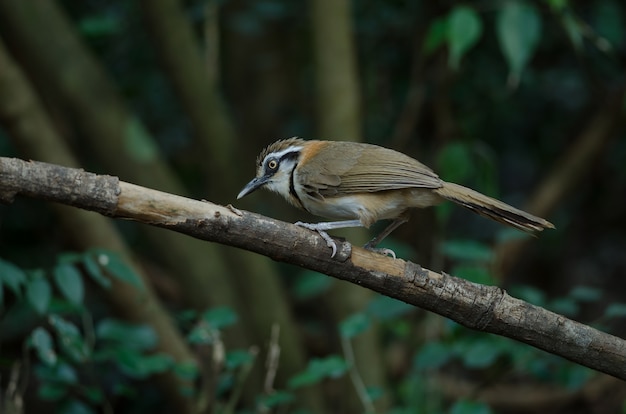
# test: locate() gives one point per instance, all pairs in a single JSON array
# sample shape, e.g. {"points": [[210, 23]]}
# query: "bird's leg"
{"points": [[371, 245], [330, 225]]}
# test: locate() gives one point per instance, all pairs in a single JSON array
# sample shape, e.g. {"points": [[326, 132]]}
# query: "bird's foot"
{"points": [[315, 227], [380, 250]]}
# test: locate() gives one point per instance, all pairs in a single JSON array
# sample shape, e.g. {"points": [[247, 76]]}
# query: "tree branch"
{"points": [[483, 308]]}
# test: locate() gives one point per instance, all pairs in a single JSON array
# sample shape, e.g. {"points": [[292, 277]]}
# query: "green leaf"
{"points": [[95, 272], [480, 354], [137, 365], [61, 373], [187, 370], [333, 366], [99, 25], [354, 325], [12, 276], [609, 22], [38, 292], [464, 30], [586, 294], [431, 356], [113, 263], [615, 310], [469, 407], [138, 143], [275, 399], [237, 358], [41, 341], [310, 284], [386, 308], [437, 35], [455, 163], [219, 318], [564, 306], [202, 334], [474, 273], [70, 339], [52, 391], [139, 337], [467, 250], [70, 282], [76, 407], [518, 27]]}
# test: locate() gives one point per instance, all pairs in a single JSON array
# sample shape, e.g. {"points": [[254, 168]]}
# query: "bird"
{"points": [[357, 184]]}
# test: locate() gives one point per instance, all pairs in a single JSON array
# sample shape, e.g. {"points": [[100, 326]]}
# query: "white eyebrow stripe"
{"points": [[279, 154]]}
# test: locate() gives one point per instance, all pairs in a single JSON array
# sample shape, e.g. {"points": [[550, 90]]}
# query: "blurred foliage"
{"points": [[493, 93]]}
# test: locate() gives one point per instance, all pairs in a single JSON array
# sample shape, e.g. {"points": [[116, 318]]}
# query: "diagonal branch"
{"points": [[484, 308]]}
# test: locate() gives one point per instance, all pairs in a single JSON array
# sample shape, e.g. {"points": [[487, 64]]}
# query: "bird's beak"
{"points": [[253, 185]]}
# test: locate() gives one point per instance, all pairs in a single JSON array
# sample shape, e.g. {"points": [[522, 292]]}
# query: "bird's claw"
{"points": [[329, 240], [380, 250]]}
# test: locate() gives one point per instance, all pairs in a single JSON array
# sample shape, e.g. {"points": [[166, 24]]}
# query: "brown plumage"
{"points": [[356, 181]]}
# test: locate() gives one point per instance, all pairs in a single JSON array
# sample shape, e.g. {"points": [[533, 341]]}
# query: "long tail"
{"points": [[492, 208]]}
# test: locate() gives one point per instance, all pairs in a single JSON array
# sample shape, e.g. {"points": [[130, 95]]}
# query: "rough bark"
{"points": [[479, 307]]}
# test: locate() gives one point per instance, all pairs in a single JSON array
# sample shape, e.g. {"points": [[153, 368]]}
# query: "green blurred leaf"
{"points": [[41, 341], [518, 27], [473, 273], [12, 276], [574, 30], [137, 365], [564, 306], [467, 250], [70, 339], [219, 318], [469, 407], [138, 142], [480, 354], [52, 391], [437, 35], [454, 162], [275, 399], [374, 393], [464, 30], [386, 308], [113, 263], [60, 373], [237, 358], [615, 310], [310, 284], [354, 325], [70, 282], [332, 366], [99, 25], [586, 294], [38, 292], [529, 294], [202, 334], [94, 271], [558, 5], [187, 370], [139, 337], [76, 407], [432, 355], [609, 22]]}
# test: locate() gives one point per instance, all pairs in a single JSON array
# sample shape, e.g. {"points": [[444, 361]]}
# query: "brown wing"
{"points": [[347, 168]]}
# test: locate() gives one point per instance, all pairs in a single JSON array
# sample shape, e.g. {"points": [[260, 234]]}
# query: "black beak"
{"points": [[253, 185]]}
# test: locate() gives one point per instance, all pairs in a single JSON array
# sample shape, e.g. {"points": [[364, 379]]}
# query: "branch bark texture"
{"points": [[484, 308]]}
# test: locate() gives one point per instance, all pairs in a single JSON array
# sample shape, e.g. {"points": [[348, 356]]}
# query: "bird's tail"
{"points": [[492, 208]]}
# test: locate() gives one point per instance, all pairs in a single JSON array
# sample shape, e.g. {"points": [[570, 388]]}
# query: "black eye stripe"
{"points": [[293, 155]]}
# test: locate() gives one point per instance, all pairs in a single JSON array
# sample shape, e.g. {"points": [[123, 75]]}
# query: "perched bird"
{"points": [[360, 184]]}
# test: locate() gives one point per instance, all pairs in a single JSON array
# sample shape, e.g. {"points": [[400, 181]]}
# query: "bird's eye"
{"points": [[272, 164]]}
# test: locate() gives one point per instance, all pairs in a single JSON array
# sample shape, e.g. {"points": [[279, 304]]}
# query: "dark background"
{"points": [[523, 101]]}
